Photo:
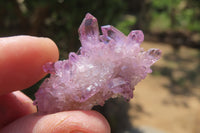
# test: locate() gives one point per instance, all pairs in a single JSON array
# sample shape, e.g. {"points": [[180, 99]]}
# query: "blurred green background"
{"points": [[175, 23], [60, 19]]}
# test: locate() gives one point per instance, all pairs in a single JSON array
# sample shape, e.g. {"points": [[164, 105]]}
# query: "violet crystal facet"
{"points": [[107, 66]]}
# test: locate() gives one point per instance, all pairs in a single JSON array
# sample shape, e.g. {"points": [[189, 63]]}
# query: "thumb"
{"points": [[62, 122]]}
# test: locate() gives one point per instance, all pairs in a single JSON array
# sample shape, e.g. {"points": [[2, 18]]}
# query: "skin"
{"points": [[21, 61]]}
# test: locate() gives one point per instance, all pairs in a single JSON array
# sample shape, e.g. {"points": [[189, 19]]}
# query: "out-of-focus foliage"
{"points": [[57, 19], [60, 19], [162, 15], [175, 15]]}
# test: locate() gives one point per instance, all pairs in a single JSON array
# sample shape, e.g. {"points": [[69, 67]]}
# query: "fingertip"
{"points": [[84, 122], [62, 122], [13, 106], [21, 61], [73, 122]]}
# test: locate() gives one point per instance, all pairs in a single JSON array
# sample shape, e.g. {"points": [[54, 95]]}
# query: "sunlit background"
{"points": [[168, 100]]}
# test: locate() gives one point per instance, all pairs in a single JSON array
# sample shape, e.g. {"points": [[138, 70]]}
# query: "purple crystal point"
{"points": [[106, 66], [49, 67], [73, 57], [136, 36], [111, 32], [154, 54], [89, 30]]}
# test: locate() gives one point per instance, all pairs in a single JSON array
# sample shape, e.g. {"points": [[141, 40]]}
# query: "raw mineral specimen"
{"points": [[106, 66]]}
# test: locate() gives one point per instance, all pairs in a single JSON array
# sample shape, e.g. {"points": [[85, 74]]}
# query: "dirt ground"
{"points": [[169, 98]]}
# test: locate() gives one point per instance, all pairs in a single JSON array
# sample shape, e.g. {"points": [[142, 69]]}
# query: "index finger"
{"points": [[21, 61]]}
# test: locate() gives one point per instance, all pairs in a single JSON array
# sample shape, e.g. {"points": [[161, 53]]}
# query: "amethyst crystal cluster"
{"points": [[106, 66]]}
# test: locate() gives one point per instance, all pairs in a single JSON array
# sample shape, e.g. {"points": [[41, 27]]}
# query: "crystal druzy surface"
{"points": [[106, 66]]}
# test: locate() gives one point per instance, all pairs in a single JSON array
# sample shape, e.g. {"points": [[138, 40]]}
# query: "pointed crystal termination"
{"points": [[49, 67], [106, 66], [89, 30], [73, 57], [155, 54], [111, 32], [136, 36]]}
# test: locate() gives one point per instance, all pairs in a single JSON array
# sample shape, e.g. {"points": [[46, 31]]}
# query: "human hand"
{"points": [[21, 60]]}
